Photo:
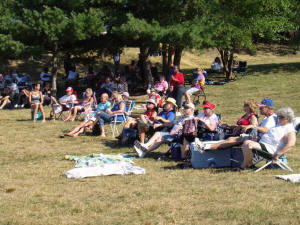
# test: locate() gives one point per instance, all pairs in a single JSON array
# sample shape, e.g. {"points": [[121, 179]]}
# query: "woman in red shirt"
{"points": [[177, 86]]}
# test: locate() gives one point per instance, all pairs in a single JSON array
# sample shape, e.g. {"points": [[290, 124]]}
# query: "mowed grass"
{"points": [[33, 190]]}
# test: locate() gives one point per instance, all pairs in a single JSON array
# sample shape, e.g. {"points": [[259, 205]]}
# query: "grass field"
{"points": [[32, 190]]}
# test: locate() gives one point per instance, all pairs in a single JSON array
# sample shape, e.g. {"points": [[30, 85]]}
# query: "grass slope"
{"points": [[32, 190]]}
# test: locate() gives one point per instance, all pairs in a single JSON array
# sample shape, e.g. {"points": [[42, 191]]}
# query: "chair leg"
{"points": [[284, 166], [264, 166]]}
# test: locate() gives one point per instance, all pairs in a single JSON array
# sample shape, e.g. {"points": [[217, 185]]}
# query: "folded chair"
{"points": [[260, 155], [124, 116]]}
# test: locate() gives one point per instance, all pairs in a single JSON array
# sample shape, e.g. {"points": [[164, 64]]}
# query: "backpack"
{"points": [[190, 128], [128, 137]]}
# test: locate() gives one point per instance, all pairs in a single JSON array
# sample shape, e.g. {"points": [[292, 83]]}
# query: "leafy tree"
{"points": [[58, 25], [233, 23]]}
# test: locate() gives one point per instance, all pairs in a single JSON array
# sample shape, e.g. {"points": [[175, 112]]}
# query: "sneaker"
{"points": [[22, 106], [199, 144], [16, 106], [52, 119], [139, 151], [178, 114]]}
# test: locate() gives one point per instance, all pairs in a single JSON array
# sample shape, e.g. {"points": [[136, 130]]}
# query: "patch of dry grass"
{"points": [[32, 190]]}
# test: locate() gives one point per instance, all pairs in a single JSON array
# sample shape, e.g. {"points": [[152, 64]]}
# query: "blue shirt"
{"points": [[102, 107], [166, 115]]}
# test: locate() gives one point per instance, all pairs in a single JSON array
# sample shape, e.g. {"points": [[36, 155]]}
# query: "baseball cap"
{"points": [[69, 89], [266, 102], [209, 105], [189, 105]]}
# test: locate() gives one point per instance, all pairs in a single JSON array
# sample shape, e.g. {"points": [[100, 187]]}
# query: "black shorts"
{"points": [[263, 147]]}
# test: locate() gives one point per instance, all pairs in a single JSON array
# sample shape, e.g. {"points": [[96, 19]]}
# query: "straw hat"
{"points": [[171, 100]]}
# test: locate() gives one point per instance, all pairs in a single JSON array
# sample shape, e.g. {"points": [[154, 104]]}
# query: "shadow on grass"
{"points": [[274, 67]]}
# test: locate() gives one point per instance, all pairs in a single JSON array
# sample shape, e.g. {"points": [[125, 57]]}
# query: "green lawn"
{"points": [[33, 190]]}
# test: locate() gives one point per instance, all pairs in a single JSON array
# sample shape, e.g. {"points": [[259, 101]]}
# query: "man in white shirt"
{"points": [[64, 103], [277, 141]]}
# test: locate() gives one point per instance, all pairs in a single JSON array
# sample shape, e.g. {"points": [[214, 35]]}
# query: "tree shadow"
{"points": [[273, 68]]}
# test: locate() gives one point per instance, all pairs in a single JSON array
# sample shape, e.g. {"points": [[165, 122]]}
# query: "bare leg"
{"points": [[42, 111], [184, 148], [247, 152], [142, 134], [69, 116], [35, 108], [5, 101], [187, 97], [76, 129], [80, 131], [102, 132], [75, 110], [232, 141], [130, 123], [156, 138]]}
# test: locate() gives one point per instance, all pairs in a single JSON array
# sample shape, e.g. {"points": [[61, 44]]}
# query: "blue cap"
{"points": [[266, 102]]}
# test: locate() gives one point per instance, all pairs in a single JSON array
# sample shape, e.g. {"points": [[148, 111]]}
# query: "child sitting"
{"points": [[161, 86]]}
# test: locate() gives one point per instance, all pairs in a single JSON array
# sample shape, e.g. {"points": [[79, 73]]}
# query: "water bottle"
{"points": [[253, 134]]}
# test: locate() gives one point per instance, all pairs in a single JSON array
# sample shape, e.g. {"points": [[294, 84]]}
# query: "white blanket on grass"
{"points": [[295, 178]]}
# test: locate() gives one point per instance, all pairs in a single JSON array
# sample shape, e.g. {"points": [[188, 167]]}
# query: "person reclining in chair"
{"points": [[277, 141], [164, 136], [267, 109]]}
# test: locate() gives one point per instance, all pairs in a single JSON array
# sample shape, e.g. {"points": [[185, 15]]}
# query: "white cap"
{"points": [[189, 105], [125, 94]]}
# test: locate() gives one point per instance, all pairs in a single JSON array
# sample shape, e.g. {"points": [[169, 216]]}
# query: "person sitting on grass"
{"points": [[162, 137], [36, 101], [84, 105], [90, 118], [217, 66], [161, 86], [266, 109], [277, 141], [164, 117], [197, 85], [109, 115], [65, 102]]}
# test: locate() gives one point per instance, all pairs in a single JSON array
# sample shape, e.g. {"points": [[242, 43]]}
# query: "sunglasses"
{"points": [[281, 117]]}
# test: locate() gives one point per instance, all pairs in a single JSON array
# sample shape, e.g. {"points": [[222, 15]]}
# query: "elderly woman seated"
{"points": [[277, 141], [164, 136], [90, 117], [84, 104], [109, 115]]}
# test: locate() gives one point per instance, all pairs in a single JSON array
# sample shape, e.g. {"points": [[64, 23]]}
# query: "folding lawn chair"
{"points": [[61, 111], [121, 118], [260, 155], [199, 94]]}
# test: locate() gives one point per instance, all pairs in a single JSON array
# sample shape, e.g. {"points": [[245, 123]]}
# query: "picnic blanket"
{"points": [[102, 165], [295, 178]]}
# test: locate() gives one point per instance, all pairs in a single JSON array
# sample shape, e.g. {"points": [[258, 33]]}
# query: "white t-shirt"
{"points": [[268, 122], [45, 76], [274, 138], [68, 98], [216, 66], [72, 75], [213, 120]]}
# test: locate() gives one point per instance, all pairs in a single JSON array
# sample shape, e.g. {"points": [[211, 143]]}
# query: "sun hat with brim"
{"points": [[152, 101], [171, 100], [126, 94], [266, 102], [153, 90], [69, 89], [209, 105]]}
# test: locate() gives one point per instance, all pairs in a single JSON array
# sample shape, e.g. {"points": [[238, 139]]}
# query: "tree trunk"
{"points": [[144, 75], [177, 56], [227, 60], [54, 72], [165, 66]]}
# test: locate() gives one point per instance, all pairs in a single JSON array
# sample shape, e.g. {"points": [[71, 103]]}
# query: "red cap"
{"points": [[69, 89], [209, 105]]}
